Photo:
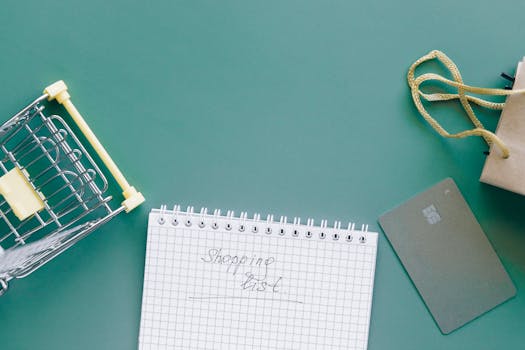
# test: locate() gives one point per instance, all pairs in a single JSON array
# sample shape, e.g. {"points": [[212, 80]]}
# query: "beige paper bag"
{"points": [[509, 173], [505, 164]]}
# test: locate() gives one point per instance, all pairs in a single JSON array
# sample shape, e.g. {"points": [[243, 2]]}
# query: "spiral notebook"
{"points": [[217, 281]]}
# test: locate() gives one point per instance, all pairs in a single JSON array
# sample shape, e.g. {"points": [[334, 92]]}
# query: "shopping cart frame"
{"points": [[66, 182]]}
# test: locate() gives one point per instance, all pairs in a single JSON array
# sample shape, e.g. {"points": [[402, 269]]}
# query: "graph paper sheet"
{"points": [[215, 282]]}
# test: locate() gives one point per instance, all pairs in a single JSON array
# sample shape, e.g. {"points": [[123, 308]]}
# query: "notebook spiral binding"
{"points": [[254, 224]]}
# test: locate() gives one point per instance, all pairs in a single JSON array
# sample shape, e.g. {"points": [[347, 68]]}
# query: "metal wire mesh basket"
{"points": [[53, 192]]}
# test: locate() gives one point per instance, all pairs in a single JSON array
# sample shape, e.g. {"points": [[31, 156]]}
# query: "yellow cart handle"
{"points": [[58, 91]]}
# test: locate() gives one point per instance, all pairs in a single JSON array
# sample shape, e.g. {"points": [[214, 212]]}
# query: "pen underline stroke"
{"points": [[241, 297]]}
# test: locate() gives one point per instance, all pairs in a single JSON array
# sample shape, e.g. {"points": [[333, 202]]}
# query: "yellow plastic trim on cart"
{"points": [[19, 194], [58, 91]]}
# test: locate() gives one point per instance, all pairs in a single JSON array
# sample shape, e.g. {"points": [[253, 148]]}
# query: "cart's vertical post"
{"points": [[3, 282], [3, 286], [58, 91]]}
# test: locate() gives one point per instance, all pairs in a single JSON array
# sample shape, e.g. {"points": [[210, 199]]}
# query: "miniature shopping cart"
{"points": [[53, 192]]}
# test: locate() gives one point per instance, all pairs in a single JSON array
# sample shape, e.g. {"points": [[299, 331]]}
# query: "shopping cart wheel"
{"points": [[3, 286]]}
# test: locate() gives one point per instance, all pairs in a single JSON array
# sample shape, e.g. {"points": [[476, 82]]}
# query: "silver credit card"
{"points": [[447, 255]]}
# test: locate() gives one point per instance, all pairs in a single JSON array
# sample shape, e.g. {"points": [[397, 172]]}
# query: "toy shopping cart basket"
{"points": [[53, 192]]}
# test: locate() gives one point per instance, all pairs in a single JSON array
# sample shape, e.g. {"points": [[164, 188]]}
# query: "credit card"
{"points": [[447, 256]]}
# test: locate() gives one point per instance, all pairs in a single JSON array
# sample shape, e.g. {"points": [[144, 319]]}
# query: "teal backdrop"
{"points": [[287, 107]]}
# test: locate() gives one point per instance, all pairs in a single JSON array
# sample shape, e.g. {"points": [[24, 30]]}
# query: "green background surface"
{"points": [[298, 108]]}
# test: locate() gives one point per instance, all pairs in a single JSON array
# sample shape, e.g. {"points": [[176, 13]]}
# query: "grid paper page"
{"points": [[224, 283]]}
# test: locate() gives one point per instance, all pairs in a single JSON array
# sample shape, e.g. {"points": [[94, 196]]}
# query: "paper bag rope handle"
{"points": [[479, 130]]}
